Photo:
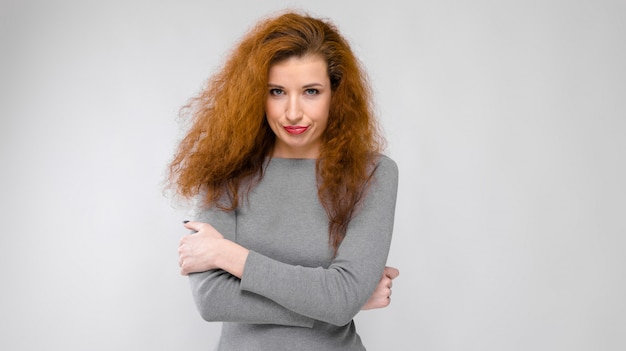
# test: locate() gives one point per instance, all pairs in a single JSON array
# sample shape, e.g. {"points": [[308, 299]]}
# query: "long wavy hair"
{"points": [[229, 138]]}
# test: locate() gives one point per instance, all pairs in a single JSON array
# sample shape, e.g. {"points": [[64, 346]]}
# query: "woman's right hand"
{"points": [[207, 249], [197, 252], [382, 295]]}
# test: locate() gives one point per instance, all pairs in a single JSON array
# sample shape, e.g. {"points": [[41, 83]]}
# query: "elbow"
{"points": [[344, 302], [205, 296], [344, 315], [340, 321], [211, 308], [208, 312]]}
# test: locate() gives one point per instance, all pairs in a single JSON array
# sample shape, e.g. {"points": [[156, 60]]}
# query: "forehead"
{"points": [[299, 67]]}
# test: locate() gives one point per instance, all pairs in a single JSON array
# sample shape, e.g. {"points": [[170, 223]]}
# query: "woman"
{"points": [[296, 206]]}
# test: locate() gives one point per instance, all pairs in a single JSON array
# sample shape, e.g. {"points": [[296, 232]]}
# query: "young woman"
{"points": [[296, 201]]}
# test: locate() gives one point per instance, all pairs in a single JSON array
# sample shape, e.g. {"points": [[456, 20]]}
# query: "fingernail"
{"points": [[185, 221]]}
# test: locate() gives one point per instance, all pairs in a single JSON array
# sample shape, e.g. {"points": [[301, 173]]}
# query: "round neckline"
{"points": [[289, 162], [292, 159]]}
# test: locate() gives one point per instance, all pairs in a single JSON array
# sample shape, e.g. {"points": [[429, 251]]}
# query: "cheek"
{"points": [[324, 112], [270, 111], [324, 123]]}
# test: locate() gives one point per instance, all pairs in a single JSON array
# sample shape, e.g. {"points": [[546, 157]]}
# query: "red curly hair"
{"points": [[229, 138]]}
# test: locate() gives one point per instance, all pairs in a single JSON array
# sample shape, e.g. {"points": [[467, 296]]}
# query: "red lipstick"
{"points": [[296, 129]]}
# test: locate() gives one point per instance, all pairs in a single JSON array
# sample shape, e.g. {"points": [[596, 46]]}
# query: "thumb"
{"points": [[391, 272], [195, 226]]}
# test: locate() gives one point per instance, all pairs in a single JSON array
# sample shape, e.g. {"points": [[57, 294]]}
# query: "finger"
{"points": [[385, 282], [386, 301], [184, 267], [185, 242], [193, 225], [392, 272]]}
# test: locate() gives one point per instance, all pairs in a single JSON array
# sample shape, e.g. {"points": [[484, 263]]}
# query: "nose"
{"points": [[294, 110]]}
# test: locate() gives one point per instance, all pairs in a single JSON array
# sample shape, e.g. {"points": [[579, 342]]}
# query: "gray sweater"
{"points": [[293, 295]]}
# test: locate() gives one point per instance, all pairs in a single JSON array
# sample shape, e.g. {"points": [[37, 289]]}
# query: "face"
{"points": [[297, 106]]}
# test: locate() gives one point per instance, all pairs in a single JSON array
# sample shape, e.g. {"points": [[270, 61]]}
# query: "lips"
{"points": [[296, 129]]}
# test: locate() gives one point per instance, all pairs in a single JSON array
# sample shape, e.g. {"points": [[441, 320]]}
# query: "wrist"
{"points": [[232, 258]]}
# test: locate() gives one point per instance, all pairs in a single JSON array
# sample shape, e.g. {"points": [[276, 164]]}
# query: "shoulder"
{"points": [[383, 182], [384, 176], [384, 165]]}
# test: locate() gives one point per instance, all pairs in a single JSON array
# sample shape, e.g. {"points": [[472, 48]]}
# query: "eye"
{"points": [[276, 92], [311, 91]]}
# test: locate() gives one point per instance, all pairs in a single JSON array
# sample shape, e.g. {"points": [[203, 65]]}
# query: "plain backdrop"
{"points": [[506, 118]]}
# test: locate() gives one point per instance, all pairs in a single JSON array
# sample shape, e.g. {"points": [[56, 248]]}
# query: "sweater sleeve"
{"points": [[219, 297], [337, 293]]}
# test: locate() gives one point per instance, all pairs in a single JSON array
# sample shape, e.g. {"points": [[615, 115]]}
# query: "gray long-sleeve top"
{"points": [[293, 294]]}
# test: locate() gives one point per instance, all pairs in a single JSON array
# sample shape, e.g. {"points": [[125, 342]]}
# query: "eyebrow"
{"points": [[306, 86]]}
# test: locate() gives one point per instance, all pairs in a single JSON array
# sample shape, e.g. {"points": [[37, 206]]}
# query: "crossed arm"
{"points": [[231, 283], [208, 249]]}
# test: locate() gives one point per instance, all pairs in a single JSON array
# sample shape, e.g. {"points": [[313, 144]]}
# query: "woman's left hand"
{"points": [[198, 252], [381, 297]]}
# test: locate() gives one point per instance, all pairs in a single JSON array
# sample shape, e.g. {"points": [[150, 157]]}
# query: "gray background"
{"points": [[506, 119]]}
